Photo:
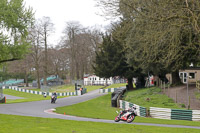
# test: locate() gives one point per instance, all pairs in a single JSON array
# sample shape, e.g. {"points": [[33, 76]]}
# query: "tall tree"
{"points": [[164, 35], [14, 22], [81, 43], [46, 28], [111, 61], [36, 48]]}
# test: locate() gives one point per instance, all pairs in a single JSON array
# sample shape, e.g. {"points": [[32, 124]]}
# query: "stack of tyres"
{"points": [[115, 95]]}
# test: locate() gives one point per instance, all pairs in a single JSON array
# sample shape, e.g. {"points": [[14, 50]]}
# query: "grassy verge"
{"points": [[69, 88], [101, 108], [91, 88], [116, 85], [27, 96], [20, 124], [151, 97]]}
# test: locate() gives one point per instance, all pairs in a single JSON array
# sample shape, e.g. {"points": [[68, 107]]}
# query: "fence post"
{"points": [[164, 87], [176, 95], [168, 90]]}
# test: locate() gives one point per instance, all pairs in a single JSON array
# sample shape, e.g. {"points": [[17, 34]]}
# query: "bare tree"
{"points": [[46, 28], [81, 43], [35, 38], [22, 66]]}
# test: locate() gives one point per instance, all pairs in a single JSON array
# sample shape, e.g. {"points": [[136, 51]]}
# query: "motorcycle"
{"points": [[126, 115], [53, 99]]}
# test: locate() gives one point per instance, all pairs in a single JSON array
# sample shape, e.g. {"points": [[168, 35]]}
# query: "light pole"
{"points": [[188, 77]]}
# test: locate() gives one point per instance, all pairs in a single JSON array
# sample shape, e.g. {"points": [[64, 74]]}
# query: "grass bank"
{"points": [[101, 108], [151, 97], [22, 124]]}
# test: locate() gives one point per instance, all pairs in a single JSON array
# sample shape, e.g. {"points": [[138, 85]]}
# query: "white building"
{"points": [[95, 80]]}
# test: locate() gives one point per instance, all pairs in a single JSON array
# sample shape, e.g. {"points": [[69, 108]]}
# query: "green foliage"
{"points": [[165, 41], [15, 20]]}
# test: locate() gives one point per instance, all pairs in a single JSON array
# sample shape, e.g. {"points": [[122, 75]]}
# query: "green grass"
{"points": [[101, 108], [91, 88], [116, 85], [24, 124], [151, 97], [197, 95], [27, 96], [69, 88], [96, 108], [60, 89]]}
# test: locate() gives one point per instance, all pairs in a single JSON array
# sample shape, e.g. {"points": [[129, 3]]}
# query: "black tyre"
{"points": [[117, 119], [130, 118]]}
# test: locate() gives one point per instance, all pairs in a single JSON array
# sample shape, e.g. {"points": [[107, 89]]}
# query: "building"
{"points": [[95, 80], [192, 74]]}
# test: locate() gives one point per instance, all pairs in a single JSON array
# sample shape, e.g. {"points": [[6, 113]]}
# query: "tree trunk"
{"points": [[38, 77], [175, 78], [130, 83], [26, 79], [45, 65]]}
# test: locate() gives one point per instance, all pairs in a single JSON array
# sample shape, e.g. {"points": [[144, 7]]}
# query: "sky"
{"points": [[62, 11]]}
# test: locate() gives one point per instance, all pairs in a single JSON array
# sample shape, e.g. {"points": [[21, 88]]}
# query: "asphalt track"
{"points": [[44, 109]]}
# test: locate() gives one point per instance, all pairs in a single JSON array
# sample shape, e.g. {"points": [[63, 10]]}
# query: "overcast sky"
{"points": [[62, 11]]}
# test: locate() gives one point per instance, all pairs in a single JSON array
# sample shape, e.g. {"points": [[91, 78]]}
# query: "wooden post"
{"points": [[164, 87], [168, 90], [176, 95], [189, 103]]}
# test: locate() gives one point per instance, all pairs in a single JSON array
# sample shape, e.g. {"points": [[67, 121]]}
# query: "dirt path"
{"points": [[179, 94]]}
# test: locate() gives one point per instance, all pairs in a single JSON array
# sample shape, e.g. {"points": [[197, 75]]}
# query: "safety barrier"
{"points": [[175, 114], [47, 93], [107, 90], [163, 113], [141, 111]]}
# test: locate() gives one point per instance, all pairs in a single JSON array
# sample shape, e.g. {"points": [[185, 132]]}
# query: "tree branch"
{"points": [[8, 60]]}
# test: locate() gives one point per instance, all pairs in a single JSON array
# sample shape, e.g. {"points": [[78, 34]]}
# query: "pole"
{"points": [[187, 94]]}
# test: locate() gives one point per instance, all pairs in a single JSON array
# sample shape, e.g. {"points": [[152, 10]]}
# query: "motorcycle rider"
{"points": [[54, 94], [129, 109]]}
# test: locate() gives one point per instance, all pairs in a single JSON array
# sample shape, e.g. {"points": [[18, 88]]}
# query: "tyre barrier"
{"points": [[141, 111], [78, 92], [175, 114], [117, 95]]}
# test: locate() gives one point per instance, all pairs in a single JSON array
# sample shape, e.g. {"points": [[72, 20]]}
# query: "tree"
{"points": [[111, 61], [21, 67], [15, 20], [46, 28], [80, 43], [36, 48], [164, 36]]}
